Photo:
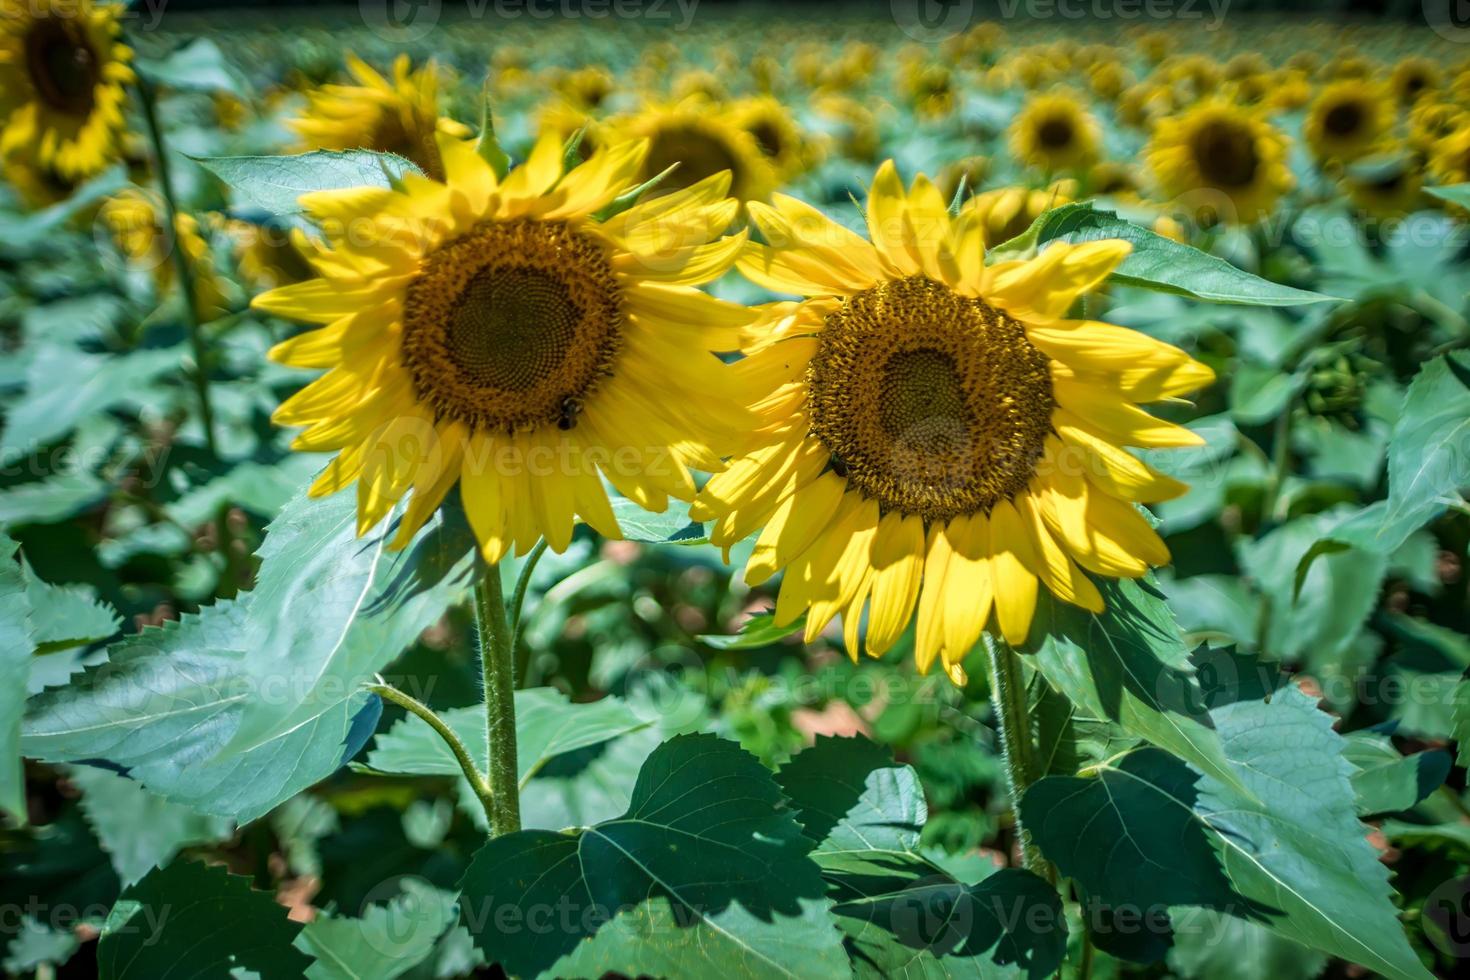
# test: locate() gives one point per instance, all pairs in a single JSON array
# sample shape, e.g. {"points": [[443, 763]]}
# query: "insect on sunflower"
{"points": [[937, 436], [494, 334], [62, 72]]}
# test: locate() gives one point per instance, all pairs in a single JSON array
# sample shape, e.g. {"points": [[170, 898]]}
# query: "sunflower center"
{"points": [[63, 68], [1343, 119], [1226, 154], [770, 138], [698, 153], [1055, 133], [930, 402], [510, 326]]}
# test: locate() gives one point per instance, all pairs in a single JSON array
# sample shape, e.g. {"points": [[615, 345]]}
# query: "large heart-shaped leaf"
{"points": [[169, 703], [1149, 831], [274, 184], [904, 914], [706, 874], [189, 920], [1129, 664]]}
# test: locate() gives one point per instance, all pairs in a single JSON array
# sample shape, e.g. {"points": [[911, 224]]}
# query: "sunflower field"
{"points": [[563, 488]]}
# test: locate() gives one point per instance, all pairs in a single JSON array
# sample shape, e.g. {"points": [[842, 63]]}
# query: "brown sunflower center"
{"points": [[1055, 133], [1343, 119], [1225, 152], [929, 402], [512, 325], [62, 66], [769, 137], [698, 152]]}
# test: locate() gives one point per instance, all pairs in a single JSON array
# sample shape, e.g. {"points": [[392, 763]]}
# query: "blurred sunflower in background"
{"points": [[391, 116], [493, 335], [1388, 187], [1449, 161], [699, 138], [140, 231], [1055, 132], [1347, 119], [1223, 162], [1414, 77], [777, 134], [62, 72], [936, 437], [1005, 212]]}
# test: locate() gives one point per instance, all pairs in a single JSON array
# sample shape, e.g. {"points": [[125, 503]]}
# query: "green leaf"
{"points": [[1130, 666], [275, 183], [673, 526], [1454, 193], [547, 725], [169, 704], [138, 830], [756, 633], [706, 874], [1428, 454], [1387, 782], [386, 942], [15, 670], [1260, 392], [1149, 831], [902, 913], [189, 920], [52, 499], [66, 616], [199, 66], [1158, 263], [99, 383]]}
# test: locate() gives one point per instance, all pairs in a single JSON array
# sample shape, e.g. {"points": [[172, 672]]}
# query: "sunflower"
{"points": [[776, 133], [937, 438], [62, 72], [495, 335], [1054, 132], [1430, 122], [1005, 212], [1222, 159], [36, 186], [1346, 120], [703, 138], [1449, 162], [140, 231], [399, 116], [1414, 77], [1388, 187]]}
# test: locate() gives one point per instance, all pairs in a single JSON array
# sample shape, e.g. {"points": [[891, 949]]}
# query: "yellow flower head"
{"points": [[1346, 120], [1386, 188], [1224, 162], [1413, 78], [1449, 161], [1430, 122], [495, 335], [399, 116], [62, 72], [1002, 213], [703, 138], [937, 436], [1055, 133], [776, 133], [140, 231]]}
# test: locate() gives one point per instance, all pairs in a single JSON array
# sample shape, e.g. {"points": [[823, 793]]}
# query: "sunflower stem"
{"points": [[456, 745], [184, 273], [1013, 724], [517, 603], [497, 661]]}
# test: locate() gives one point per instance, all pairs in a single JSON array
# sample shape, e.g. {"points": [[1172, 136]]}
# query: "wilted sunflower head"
{"points": [[1054, 132], [493, 334], [399, 116], [703, 139], [937, 436], [62, 72], [1346, 120], [1220, 163]]}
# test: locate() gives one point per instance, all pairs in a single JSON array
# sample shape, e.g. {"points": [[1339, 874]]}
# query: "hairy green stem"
{"points": [[497, 661], [456, 745], [1013, 724], [181, 261]]}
